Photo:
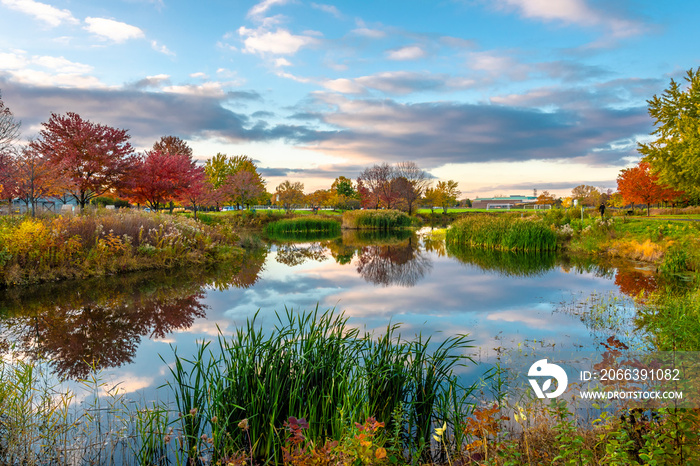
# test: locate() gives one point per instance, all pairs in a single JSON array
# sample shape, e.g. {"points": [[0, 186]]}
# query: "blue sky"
{"points": [[503, 96]]}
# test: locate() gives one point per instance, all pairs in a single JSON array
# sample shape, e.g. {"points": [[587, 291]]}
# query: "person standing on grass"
{"points": [[602, 211]]}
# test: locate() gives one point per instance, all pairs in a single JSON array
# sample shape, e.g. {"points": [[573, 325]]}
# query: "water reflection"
{"points": [[509, 264], [103, 322], [100, 323], [400, 264]]}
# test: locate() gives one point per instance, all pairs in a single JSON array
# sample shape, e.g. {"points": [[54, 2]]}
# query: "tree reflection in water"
{"points": [[402, 264], [99, 323]]}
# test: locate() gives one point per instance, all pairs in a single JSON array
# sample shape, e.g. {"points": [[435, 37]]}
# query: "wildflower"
{"points": [[243, 424], [214, 419], [193, 412], [440, 431]]}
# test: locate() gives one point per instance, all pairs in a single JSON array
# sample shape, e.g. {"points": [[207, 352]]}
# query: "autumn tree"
{"points": [[172, 145], [9, 133], [545, 198], [343, 194], [586, 195], [221, 170], [444, 194], [198, 192], [94, 157], [289, 195], [413, 183], [158, 177], [242, 187], [373, 185], [638, 185], [319, 198], [36, 178], [9, 128], [673, 155]]}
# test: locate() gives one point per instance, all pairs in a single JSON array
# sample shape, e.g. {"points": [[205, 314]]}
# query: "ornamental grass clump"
{"points": [[315, 366], [375, 219], [506, 233]]}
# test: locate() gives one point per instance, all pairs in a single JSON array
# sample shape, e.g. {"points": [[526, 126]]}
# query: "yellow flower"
{"points": [[440, 431]]}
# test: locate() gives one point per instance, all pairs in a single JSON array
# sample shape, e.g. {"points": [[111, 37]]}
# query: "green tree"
{"points": [[675, 154], [450, 193]]}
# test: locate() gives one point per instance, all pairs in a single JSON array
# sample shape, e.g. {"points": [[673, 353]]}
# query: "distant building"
{"points": [[503, 202]]}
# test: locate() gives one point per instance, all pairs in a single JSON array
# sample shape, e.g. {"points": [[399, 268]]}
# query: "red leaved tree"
{"points": [[199, 192], [158, 177], [94, 157], [638, 185]]}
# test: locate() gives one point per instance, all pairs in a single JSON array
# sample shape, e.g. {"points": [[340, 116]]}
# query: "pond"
{"points": [[126, 325]]}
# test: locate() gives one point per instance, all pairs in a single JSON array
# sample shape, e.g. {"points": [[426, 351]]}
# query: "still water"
{"points": [[127, 326]]}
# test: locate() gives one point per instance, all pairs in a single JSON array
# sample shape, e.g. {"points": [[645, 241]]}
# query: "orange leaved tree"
{"points": [[638, 185]]}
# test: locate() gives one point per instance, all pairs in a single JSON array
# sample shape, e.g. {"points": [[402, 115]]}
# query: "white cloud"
{"points": [[364, 31], [328, 9], [208, 89], [279, 42], [574, 12], [61, 65], [411, 52], [198, 75], [280, 62], [64, 80], [13, 61], [498, 66], [259, 10], [398, 82], [345, 86], [160, 48], [113, 30], [54, 71], [41, 11]]}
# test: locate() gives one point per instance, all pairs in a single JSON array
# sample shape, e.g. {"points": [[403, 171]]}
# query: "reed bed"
{"points": [[303, 225], [314, 366], [375, 219], [505, 233]]}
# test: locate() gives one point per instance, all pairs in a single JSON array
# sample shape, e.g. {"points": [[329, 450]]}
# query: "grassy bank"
{"points": [[99, 244]]}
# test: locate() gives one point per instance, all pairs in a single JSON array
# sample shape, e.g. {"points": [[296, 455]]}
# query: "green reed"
{"points": [[502, 232], [375, 219], [308, 224], [314, 365]]}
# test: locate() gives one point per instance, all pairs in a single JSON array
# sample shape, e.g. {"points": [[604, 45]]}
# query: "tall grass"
{"points": [[315, 366], [375, 219], [506, 233], [98, 244], [303, 225]]}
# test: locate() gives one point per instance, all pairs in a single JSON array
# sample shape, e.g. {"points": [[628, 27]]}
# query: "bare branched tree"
{"points": [[9, 128]]}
